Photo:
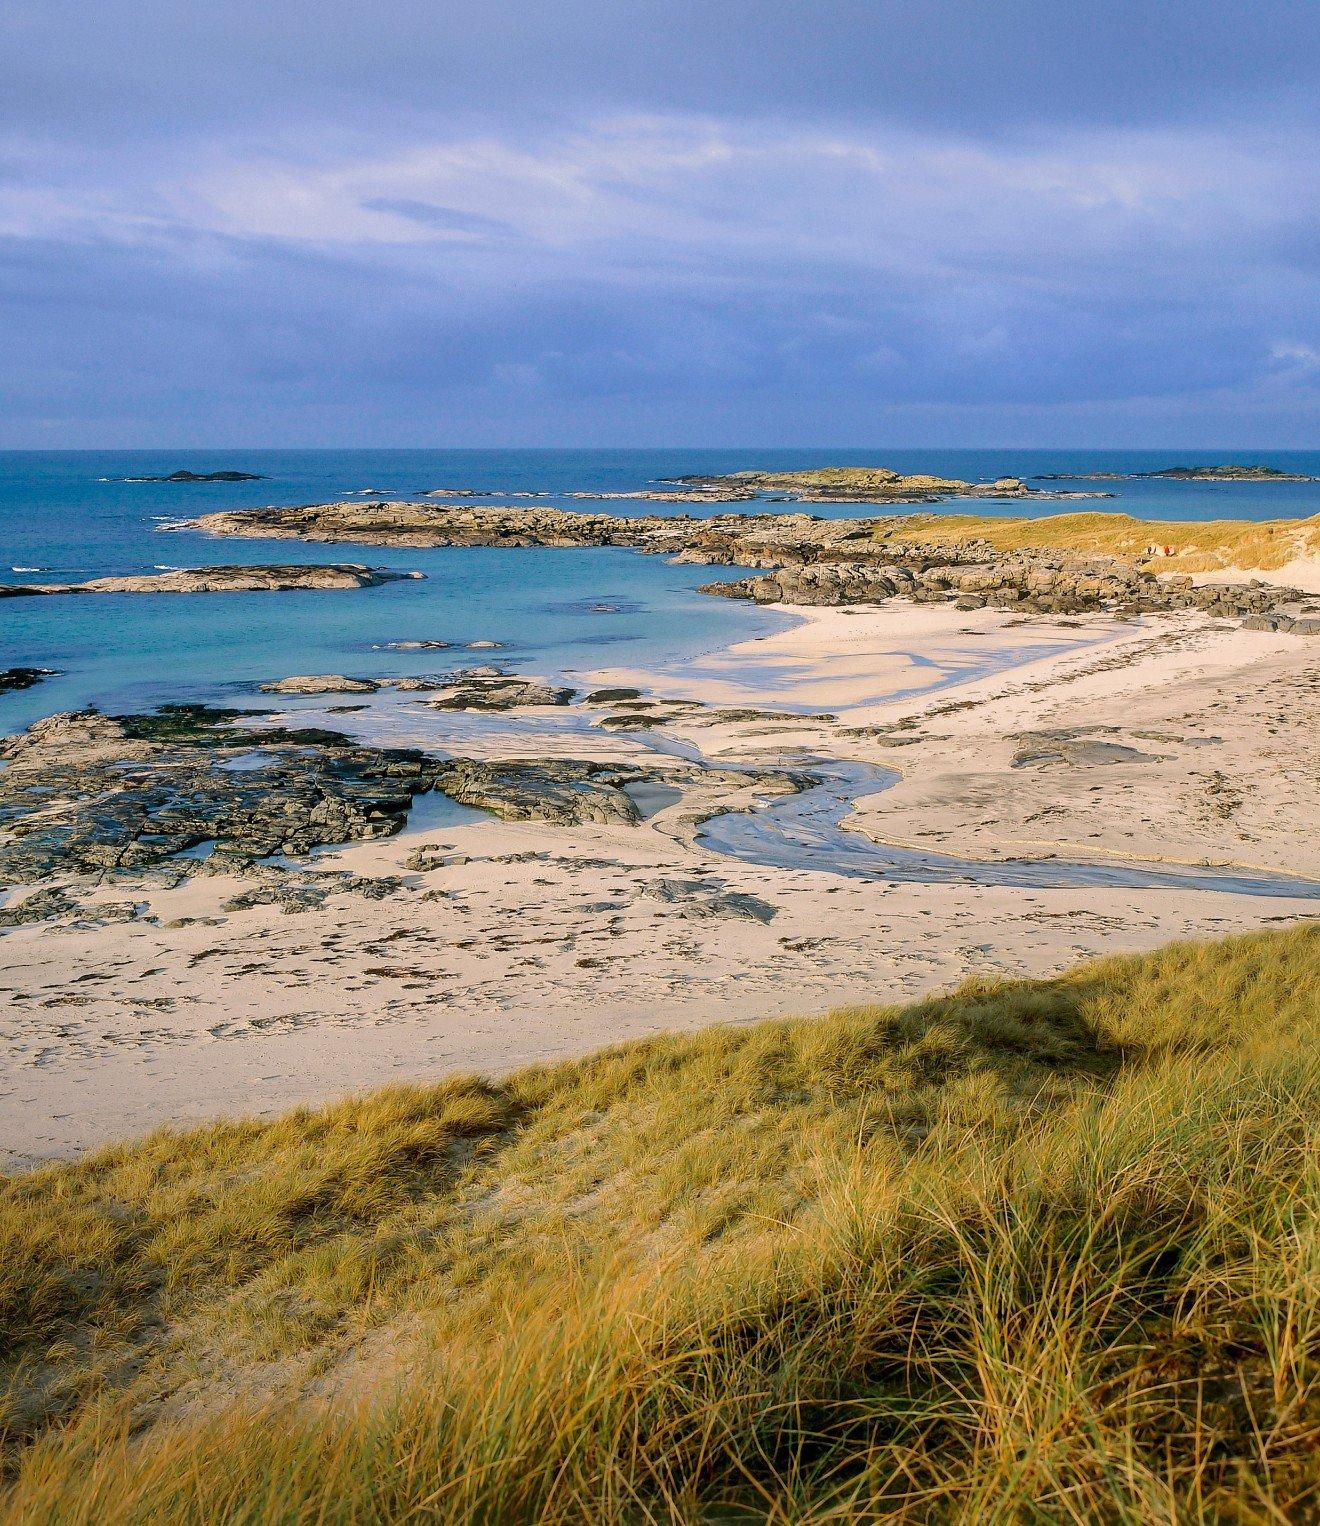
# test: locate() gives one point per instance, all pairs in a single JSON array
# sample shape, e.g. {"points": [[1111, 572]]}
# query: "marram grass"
{"points": [[1034, 1251], [1195, 545]]}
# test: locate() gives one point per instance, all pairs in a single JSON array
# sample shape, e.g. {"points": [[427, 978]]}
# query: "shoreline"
{"points": [[539, 941]]}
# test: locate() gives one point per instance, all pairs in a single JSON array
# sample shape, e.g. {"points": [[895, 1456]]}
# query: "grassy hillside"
{"points": [[1198, 545], [1037, 1250]]}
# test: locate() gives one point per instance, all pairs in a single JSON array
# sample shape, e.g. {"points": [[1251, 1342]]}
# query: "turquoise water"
{"points": [[65, 514]]}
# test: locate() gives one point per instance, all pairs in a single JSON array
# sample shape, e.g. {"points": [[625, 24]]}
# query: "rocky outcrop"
{"points": [[1029, 584], [187, 476], [273, 579], [88, 793], [858, 484], [475, 690], [23, 678], [1226, 473], [699, 900], [804, 559], [561, 791], [575, 791], [320, 683]]}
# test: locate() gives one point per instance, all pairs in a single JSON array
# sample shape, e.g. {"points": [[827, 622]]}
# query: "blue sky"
{"points": [[704, 222]]}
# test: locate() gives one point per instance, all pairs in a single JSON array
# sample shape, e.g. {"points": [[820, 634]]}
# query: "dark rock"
{"points": [[95, 794], [187, 476], [701, 899], [563, 791], [24, 678], [496, 691]]}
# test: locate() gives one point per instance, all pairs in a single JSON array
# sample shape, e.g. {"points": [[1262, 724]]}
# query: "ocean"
{"points": [[68, 516]]}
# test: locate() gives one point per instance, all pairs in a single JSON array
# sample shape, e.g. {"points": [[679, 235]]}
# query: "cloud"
{"points": [[441, 219], [660, 275]]}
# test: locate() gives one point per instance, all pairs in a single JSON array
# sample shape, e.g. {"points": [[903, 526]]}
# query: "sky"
{"points": [[682, 222]]}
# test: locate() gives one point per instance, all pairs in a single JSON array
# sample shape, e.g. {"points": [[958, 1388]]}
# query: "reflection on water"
{"points": [[803, 832]]}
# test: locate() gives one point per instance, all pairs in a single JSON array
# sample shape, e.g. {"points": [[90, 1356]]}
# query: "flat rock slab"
{"points": [[271, 579]]}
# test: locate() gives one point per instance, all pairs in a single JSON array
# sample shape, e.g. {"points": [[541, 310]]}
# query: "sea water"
{"points": [[68, 516]]}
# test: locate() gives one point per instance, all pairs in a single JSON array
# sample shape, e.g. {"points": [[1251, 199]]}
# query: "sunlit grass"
{"points": [[1196, 545], [1036, 1250]]}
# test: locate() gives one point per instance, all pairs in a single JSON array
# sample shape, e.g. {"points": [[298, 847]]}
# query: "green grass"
{"points": [[1032, 1251]]}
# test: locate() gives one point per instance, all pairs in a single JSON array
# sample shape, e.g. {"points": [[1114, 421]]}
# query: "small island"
{"points": [[187, 476], [1229, 472], [272, 579]]}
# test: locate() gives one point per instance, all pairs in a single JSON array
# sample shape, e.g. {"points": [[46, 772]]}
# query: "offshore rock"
{"points": [[24, 678], [269, 579]]}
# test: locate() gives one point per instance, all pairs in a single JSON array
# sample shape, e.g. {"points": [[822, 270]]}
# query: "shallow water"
{"points": [[64, 516], [804, 831], [801, 831]]}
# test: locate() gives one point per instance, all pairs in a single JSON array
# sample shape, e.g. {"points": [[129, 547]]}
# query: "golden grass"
{"points": [[1198, 545], [1035, 1250]]}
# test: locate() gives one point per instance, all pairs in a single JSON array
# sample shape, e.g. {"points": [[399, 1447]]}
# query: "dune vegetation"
{"points": [[1033, 1250], [1205, 545]]}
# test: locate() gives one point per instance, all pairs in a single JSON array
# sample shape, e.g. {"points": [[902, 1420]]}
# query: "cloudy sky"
{"points": [[609, 222]]}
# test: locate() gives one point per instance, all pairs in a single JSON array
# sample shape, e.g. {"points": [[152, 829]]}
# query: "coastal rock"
{"points": [[1225, 473], [1077, 748], [187, 476], [47, 905], [24, 678], [496, 691], [320, 683], [803, 559], [562, 791], [269, 579], [866, 484], [433, 856], [94, 794], [702, 899]]}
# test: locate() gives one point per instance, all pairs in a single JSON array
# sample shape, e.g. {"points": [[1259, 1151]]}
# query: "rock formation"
{"points": [[271, 579]]}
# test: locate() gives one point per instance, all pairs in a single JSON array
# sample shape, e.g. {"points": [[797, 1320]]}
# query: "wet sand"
{"points": [[551, 941]]}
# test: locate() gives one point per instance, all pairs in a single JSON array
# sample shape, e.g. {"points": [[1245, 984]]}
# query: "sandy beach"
{"points": [[1170, 739]]}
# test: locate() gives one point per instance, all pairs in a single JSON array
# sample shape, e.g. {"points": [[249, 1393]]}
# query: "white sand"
{"points": [[509, 959]]}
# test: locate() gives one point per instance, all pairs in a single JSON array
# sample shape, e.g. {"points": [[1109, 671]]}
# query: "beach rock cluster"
{"points": [[272, 579], [1030, 584], [95, 795], [701, 899], [89, 793]]}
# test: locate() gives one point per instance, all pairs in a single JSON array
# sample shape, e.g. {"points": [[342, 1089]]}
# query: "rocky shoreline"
{"points": [[1032, 585], [806, 560], [108, 798]]}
